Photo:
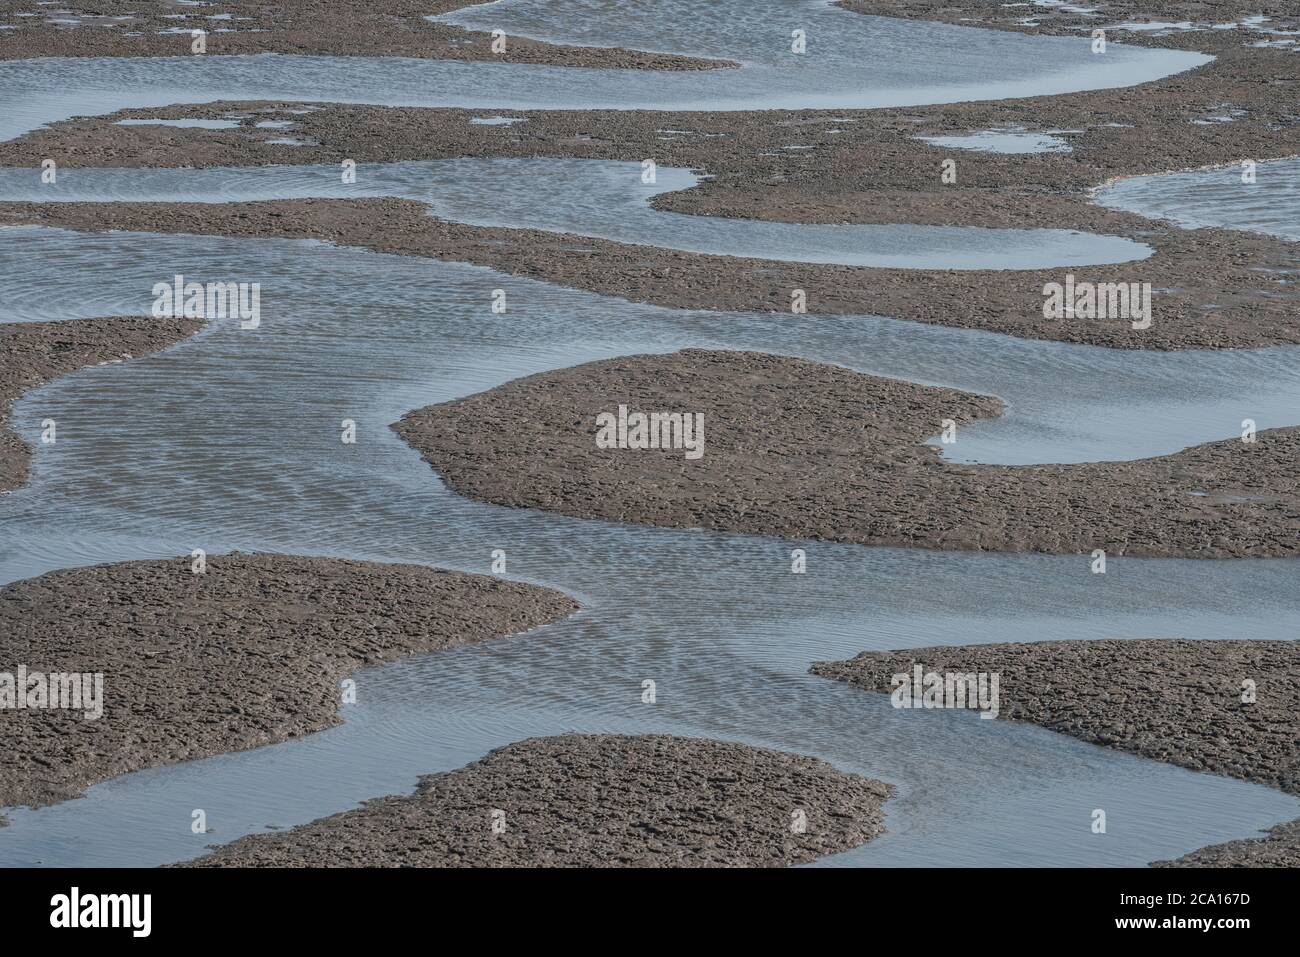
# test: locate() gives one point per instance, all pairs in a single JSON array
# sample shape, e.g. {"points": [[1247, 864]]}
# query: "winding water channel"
{"points": [[230, 441]]}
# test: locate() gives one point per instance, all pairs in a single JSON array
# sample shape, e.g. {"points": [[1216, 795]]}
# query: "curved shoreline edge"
{"points": [[1209, 288], [804, 450], [1227, 707], [35, 353], [1246, 512], [1213, 288], [376, 28], [594, 801], [249, 652]]}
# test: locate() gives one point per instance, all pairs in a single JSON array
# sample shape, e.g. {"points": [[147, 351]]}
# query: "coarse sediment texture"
{"points": [[1281, 848], [248, 653], [1179, 701], [1215, 288], [594, 801], [1172, 700], [1080, 19], [135, 28], [800, 449], [33, 353]]}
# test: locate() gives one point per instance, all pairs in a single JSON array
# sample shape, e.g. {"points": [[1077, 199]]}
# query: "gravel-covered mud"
{"points": [[132, 28], [800, 449], [1280, 848], [1226, 707], [594, 801], [253, 650], [1236, 295], [247, 653], [1212, 288]]}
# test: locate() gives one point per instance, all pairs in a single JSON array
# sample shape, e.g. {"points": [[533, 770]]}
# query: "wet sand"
{"points": [[1169, 700], [373, 28], [1067, 19], [34, 353], [249, 653], [804, 450], [594, 801]]}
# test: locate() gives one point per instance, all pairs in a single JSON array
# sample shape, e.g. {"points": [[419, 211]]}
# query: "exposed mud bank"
{"points": [[594, 801], [801, 450], [1225, 707], [1281, 848], [1244, 299], [1213, 288], [134, 28], [248, 653], [33, 353]]}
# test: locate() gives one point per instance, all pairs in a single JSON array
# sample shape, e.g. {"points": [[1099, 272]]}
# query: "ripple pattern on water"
{"points": [[596, 198], [1065, 403], [231, 440], [1225, 196], [852, 62]]}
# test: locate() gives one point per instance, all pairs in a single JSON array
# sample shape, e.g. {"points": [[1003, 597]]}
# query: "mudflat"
{"points": [[1222, 706], [136, 28], [249, 652], [1280, 848], [805, 450], [594, 801], [1212, 288]]}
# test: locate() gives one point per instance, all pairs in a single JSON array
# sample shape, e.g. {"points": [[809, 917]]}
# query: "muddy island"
{"points": [[1222, 706], [248, 652], [805, 450], [594, 801]]}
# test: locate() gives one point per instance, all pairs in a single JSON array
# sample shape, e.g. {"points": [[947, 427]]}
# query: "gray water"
{"points": [[1217, 197], [230, 440], [853, 62], [1064, 403], [595, 198], [198, 124], [1003, 141]]}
